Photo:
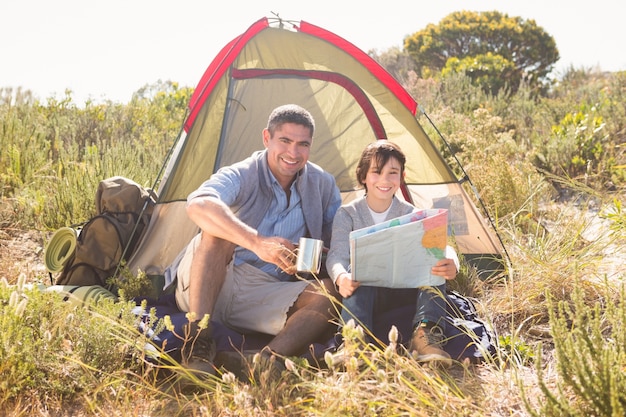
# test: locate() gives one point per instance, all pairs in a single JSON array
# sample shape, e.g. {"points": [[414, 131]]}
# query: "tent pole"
{"points": [[467, 179]]}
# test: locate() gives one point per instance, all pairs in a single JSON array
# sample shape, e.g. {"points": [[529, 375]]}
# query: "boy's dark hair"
{"points": [[382, 151], [290, 113]]}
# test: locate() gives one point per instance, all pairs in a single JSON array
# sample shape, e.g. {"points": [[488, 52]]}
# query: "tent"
{"points": [[354, 101]]}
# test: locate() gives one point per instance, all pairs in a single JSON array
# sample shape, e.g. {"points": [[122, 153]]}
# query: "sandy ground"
{"points": [[23, 252]]}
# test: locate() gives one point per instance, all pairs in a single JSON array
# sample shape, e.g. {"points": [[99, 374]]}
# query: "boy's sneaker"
{"points": [[426, 345]]}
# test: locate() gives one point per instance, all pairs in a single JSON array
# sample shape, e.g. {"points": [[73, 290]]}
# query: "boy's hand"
{"points": [[445, 268], [346, 285]]}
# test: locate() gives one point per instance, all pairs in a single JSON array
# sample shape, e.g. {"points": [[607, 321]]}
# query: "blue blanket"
{"points": [[468, 337]]}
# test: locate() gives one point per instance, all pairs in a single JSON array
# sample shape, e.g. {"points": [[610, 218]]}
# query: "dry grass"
{"points": [[553, 260]]}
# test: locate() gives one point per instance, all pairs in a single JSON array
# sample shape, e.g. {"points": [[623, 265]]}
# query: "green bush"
{"points": [[58, 349], [590, 350], [491, 72], [59, 152]]}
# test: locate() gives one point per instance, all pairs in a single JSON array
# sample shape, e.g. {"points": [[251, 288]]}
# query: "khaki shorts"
{"points": [[250, 299]]}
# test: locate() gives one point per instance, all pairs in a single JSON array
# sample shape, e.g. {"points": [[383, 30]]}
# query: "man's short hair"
{"points": [[290, 113]]}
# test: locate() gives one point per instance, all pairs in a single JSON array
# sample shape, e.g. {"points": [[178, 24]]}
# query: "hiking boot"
{"points": [[426, 345], [267, 366], [343, 358], [252, 366], [198, 352]]}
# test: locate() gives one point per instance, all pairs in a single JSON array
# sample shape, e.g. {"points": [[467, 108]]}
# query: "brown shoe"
{"points": [[426, 345], [342, 356], [252, 366], [198, 352]]}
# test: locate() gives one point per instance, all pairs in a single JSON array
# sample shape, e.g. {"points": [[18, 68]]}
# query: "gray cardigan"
{"points": [[352, 216]]}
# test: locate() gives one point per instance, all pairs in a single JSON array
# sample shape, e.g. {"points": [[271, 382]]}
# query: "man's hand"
{"points": [[279, 251]]}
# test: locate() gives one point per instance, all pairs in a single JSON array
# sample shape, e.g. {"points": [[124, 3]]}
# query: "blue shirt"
{"points": [[284, 218]]}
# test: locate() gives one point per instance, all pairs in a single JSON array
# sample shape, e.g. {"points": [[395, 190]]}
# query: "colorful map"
{"points": [[400, 253]]}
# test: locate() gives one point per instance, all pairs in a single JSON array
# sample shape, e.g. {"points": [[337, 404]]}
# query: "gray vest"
{"points": [[317, 190]]}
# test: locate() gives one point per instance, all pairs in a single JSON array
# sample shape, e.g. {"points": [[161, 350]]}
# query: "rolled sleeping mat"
{"points": [[60, 249], [83, 295]]}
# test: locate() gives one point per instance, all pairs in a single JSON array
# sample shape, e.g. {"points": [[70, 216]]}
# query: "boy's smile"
{"points": [[382, 184]]}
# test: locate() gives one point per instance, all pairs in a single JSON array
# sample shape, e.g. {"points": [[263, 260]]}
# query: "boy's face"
{"points": [[287, 151], [383, 183]]}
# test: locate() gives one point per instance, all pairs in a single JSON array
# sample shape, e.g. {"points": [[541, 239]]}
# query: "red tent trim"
{"points": [[218, 67], [367, 61], [227, 55]]}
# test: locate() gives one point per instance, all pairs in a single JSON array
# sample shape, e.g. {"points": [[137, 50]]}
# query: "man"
{"points": [[240, 268]]}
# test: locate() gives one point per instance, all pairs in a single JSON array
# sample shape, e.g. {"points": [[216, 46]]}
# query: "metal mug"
{"points": [[309, 257]]}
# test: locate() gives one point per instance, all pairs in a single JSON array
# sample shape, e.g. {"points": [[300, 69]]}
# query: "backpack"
{"points": [[468, 336], [123, 210]]}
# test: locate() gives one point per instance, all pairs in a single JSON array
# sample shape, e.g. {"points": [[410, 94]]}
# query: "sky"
{"points": [[107, 50]]}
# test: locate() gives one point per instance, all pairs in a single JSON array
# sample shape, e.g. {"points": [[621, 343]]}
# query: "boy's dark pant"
{"points": [[368, 302]]}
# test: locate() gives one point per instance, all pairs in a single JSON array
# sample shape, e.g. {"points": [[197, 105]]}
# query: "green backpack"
{"points": [[123, 211]]}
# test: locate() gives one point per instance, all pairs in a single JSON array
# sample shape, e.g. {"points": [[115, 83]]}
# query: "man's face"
{"points": [[287, 151]]}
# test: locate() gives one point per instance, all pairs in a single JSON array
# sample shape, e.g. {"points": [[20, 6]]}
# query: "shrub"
{"points": [[58, 349], [590, 350]]}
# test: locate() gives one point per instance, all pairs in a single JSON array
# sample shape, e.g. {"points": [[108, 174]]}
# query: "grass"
{"points": [[559, 320]]}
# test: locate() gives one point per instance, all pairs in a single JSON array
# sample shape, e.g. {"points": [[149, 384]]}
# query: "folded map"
{"points": [[399, 253]]}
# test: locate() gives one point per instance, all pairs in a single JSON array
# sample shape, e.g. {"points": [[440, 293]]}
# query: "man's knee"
{"points": [[331, 289], [320, 299], [216, 249]]}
